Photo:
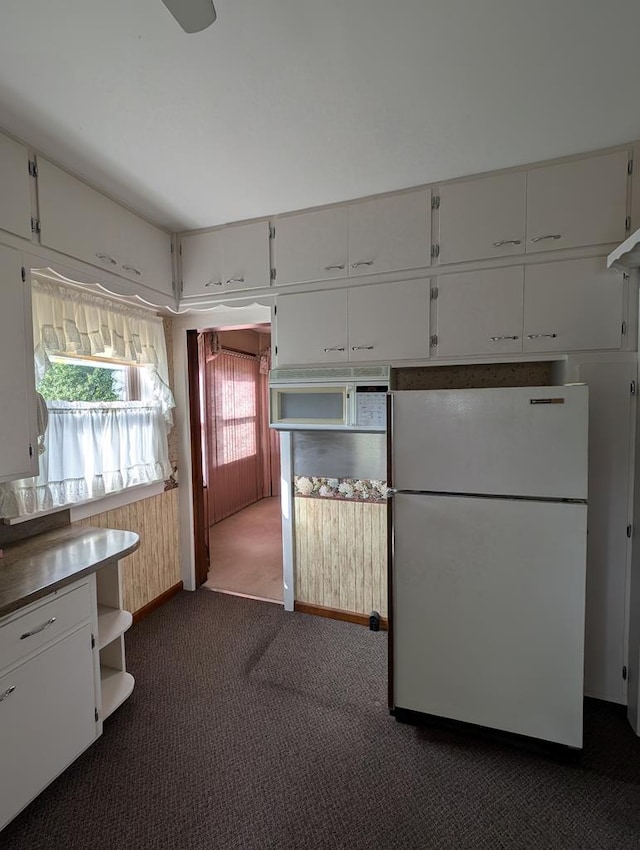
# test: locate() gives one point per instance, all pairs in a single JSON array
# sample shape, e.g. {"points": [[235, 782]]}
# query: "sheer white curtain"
{"points": [[91, 449]]}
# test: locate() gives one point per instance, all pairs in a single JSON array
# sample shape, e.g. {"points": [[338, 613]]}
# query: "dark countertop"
{"points": [[35, 567]]}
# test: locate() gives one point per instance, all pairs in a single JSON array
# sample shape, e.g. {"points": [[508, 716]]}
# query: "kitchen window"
{"points": [[104, 400]]}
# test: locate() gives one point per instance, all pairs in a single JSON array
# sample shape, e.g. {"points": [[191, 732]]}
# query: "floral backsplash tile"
{"points": [[349, 489]]}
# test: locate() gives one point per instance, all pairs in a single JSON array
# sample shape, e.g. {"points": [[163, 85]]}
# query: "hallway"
{"points": [[246, 552]]}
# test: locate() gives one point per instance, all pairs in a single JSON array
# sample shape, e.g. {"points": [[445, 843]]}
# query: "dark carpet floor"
{"points": [[252, 728]]}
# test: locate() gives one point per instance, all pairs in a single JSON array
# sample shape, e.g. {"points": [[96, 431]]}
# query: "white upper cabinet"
{"points": [[201, 258], [389, 321], [227, 259], [312, 328], [311, 246], [482, 218], [480, 312], [15, 196], [390, 233], [83, 223], [577, 203], [572, 306], [18, 450], [366, 237]]}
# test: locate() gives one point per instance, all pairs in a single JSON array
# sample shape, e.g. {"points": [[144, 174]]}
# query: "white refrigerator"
{"points": [[488, 515]]}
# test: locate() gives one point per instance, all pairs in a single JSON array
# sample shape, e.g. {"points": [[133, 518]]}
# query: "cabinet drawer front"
{"points": [[41, 625], [47, 718]]}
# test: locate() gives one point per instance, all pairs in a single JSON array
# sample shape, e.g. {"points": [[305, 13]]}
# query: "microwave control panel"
{"points": [[371, 407]]}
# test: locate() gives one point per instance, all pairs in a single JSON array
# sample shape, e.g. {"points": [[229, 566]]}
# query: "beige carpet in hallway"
{"points": [[246, 552]]}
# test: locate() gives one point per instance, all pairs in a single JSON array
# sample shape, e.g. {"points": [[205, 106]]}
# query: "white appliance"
{"points": [[345, 397], [488, 557]]}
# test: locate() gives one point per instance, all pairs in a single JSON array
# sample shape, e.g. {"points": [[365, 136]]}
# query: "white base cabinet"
{"points": [[47, 691], [62, 672]]}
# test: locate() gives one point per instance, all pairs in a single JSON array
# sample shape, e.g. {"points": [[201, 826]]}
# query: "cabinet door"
{"points": [[482, 218], [389, 234], [577, 203], [311, 246], [201, 257], [145, 254], [389, 321], [312, 328], [245, 256], [610, 441], [47, 718], [18, 455], [480, 312], [572, 306], [15, 197], [76, 220]]}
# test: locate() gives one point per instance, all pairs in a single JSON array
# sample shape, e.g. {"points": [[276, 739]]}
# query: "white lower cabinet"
{"points": [[383, 322], [62, 672], [47, 716], [479, 312], [572, 306]]}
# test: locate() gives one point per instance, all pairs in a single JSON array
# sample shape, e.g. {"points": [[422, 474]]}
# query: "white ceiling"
{"points": [[284, 104]]}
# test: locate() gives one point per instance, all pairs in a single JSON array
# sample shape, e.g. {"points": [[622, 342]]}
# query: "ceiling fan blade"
{"points": [[192, 15]]}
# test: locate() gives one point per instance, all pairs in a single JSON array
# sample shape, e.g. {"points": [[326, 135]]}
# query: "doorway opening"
{"points": [[240, 463]]}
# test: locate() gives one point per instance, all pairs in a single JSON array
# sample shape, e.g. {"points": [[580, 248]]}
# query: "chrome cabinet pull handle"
{"points": [[39, 629], [106, 258], [334, 268], [335, 348], [132, 269], [362, 347], [541, 336], [501, 242], [501, 338], [547, 236], [7, 693], [362, 263], [235, 280], [214, 283]]}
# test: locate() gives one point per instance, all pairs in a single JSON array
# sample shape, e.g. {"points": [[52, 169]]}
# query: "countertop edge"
{"points": [[44, 588]]}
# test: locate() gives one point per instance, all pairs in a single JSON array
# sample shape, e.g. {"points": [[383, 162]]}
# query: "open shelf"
{"points": [[116, 685], [112, 622]]}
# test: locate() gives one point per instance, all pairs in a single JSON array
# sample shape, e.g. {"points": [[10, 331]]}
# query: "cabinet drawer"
{"points": [[26, 633]]}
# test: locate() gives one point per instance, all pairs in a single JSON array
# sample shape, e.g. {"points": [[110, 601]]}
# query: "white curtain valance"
{"points": [[68, 321]]}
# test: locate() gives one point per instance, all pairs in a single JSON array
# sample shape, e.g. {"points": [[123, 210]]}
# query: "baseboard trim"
{"points": [[157, 602], [337, 614]]}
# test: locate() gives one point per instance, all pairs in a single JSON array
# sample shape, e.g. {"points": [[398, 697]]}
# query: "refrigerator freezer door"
{"points": [[529, 441], [488, 612]]}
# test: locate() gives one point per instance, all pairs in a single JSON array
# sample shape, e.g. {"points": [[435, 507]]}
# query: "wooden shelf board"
{"points": [[112, 622], [116, 687]]}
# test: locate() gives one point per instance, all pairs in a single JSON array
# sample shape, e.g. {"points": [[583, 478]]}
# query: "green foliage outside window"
{"points": [[72, 382]]}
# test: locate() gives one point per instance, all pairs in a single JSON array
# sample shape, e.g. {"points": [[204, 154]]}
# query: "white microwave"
{"points": [[329, 399]]}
